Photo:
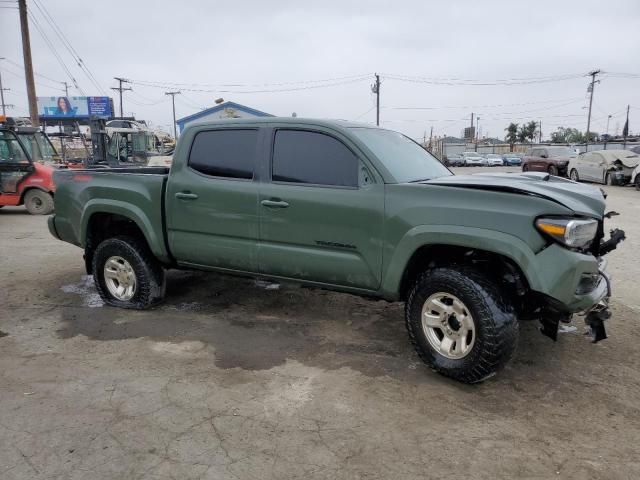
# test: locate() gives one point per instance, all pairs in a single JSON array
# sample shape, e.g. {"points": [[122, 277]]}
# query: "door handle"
{"points": [[274, 203], [186, 196]]}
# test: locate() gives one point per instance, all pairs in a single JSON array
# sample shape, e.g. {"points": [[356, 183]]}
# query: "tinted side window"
{"points": [[225, 153], [311, 157]]}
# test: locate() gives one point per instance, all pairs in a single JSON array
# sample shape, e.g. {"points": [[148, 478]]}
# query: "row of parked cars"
{"points": [[475, 159], [609, 167]]}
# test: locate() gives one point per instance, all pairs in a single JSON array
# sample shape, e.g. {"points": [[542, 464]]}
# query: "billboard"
{"points": [[74, 107]]}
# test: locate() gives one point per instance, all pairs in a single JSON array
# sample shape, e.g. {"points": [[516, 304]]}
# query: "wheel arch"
{"points": [[100, 223], [427, 246]]}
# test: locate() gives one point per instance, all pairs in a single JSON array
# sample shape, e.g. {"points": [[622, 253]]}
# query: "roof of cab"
{"points": [[291, 120]]}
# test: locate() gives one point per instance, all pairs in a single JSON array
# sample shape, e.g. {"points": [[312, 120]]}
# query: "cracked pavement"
{"points": [[230, 379]]}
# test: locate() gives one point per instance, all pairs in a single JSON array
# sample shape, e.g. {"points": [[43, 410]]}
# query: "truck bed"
{"points": [[136, 192]]}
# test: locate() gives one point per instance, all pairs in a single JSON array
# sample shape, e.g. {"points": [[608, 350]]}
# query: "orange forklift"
{"points": [[24, 181]]}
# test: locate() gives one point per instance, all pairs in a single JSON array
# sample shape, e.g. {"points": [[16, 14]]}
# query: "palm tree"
{"points": [[512, 134]]}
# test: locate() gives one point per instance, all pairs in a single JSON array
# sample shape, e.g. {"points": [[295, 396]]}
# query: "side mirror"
{"points": [[543, 155]]}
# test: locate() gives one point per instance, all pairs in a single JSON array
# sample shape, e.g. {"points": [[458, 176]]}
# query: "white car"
{"points": [[635, 177], [473, 159], [611, 167], [495, 160]]}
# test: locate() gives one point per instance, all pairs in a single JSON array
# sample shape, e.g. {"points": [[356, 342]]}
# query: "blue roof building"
{"points": [[222, 111]]}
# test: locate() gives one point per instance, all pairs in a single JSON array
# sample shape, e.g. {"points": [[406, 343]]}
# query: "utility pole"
{"points": [[173, 103], [375, 88], [606, 138], [625, 130], [477, 123], [592, 86], [4, 106], [28, 65], [66, 89], [121, 89], [540, 133], [430, 138]]}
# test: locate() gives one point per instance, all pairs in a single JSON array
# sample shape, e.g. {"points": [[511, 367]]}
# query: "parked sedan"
{"points": [[511, 159], [474, 159], [494, 160], [454, 160], [612, 167], [553, 160]]}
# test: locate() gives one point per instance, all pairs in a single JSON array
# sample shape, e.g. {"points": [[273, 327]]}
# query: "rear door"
{"points": [[321, 213], [211, 200]]}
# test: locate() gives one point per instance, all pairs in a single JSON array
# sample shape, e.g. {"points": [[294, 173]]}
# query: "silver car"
{"points": [[474, 159]]}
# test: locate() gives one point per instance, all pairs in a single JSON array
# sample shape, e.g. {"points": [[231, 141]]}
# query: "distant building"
{"points": [[220, 112]]}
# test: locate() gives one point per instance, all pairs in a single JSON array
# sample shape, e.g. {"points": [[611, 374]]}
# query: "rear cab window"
{"points": [[227, 153]]}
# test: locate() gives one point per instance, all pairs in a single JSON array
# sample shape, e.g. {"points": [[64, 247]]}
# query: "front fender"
{"points": [[133, 213], [501, 243]]}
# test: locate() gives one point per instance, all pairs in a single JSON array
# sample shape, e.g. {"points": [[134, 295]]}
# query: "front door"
{"points": [[211, 201], [15, 166], [321, 216]]}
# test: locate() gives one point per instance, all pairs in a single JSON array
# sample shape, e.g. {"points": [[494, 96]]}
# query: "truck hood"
{"points": [[582, 199]]}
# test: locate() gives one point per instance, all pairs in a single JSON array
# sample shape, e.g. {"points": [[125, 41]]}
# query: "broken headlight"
{"points": [[571, 232]]}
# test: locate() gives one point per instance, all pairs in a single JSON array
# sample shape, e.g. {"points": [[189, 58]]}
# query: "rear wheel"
{"points": [[126, 273], [637, 182], [38, 202], [553, 170], [460, 324], [574, 175]]}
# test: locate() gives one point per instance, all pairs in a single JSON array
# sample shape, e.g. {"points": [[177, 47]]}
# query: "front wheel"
{"points": [[38, 202], [608, 179], [553, 170], [461, 324], [126, 273], [525, 168]]}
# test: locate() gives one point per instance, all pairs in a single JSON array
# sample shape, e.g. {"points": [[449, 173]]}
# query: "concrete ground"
{"points": [[233, 379]]}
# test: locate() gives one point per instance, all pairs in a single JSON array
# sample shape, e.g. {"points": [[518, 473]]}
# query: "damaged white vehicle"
{"points": [[611, 167]]}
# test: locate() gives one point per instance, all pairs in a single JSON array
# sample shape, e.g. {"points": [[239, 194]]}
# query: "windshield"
{"points": [[405, 159], [10, 149], [46, 149]]}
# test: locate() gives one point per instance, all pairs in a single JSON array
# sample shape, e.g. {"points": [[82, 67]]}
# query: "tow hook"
{"points": [[595, 320]]}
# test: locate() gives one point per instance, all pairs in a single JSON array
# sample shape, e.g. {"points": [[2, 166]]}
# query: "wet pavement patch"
{"points": [[256, 328]]}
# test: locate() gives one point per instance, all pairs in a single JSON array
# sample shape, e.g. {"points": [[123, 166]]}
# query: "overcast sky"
{"points": [[258, 44]]}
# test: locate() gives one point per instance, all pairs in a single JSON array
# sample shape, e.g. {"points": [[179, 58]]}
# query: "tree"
{"points": [[523, 133], [512, 134], [531, 130]]}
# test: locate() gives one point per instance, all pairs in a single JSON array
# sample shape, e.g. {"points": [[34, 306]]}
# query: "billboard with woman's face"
{"points": [[73, 107]]}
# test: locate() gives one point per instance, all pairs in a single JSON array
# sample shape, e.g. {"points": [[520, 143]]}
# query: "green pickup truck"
{"points": [[350, 207]]}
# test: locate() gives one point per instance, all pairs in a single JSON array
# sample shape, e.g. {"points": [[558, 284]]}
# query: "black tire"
{"points": [[637, 183], [150, 277], [496, 326], [574, 173], [38, 202], [525, 168], [553, 170]]}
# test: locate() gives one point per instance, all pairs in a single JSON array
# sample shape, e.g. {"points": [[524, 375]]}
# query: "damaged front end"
{"points": [[552, 313]]}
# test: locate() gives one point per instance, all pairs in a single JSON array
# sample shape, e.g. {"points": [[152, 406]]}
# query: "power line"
{"points": [[67, 44], [21, 67], [484, 106], [55, 52], [278, 90], [21, 75], [475, 82]]}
